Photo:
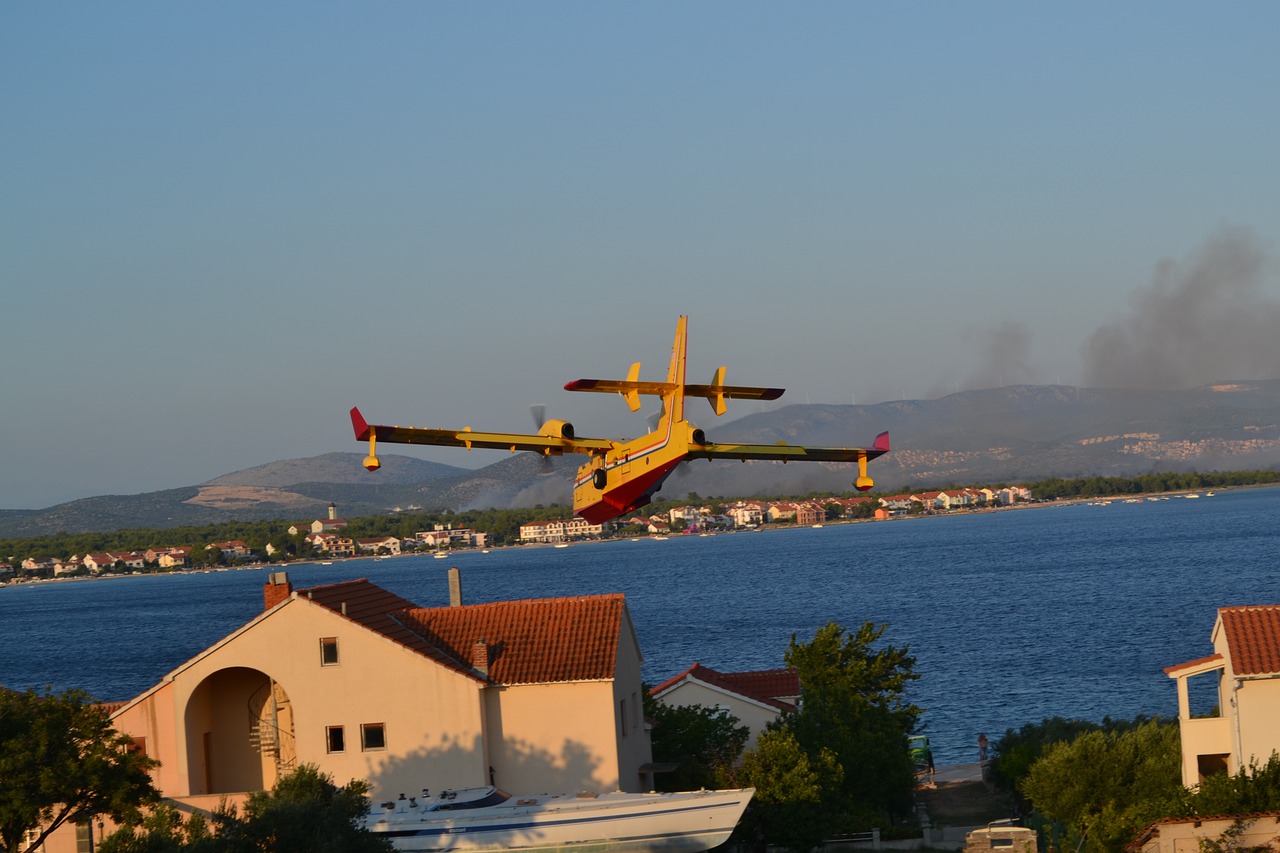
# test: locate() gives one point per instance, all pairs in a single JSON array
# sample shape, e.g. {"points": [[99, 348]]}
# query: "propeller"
{"points": [[539, 413]]}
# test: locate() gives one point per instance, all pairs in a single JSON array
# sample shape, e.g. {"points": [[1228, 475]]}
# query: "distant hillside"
{"points": [[336, 468], [1013, 434]]}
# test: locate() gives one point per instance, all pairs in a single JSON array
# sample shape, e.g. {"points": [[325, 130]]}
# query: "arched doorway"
{"points": [[239, 727]]}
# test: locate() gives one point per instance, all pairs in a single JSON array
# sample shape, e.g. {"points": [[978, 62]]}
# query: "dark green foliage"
{"points": [[163, 830], [703, 743], [1013, 754], [1095, 487], [61, 761], [1252, 790], [305, 812], [844, 755], [792, 804], [1100, 788]]}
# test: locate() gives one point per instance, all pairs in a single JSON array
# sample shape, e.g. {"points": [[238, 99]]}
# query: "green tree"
{"points": [[853, 702], [1103, 786], [843, 756], [305, 811], [791, 804], [162, 830], [1015, 753], [703, 743], [62, 761]]}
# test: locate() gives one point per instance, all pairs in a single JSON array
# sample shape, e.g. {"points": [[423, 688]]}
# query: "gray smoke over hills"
{"points": [[1200, 321]]}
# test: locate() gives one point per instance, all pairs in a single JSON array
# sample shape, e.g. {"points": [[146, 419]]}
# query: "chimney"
{"points": [[480, 656], [276, 590], [455, 587]]}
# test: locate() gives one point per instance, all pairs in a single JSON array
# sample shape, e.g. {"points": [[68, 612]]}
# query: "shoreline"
{"points": [[771, 527]]}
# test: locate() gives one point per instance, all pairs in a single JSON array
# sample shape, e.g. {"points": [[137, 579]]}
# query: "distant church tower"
{"points": [[333, 511]]}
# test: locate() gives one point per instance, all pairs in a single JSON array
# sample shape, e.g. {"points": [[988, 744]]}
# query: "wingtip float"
{"points": [[621, 476]]}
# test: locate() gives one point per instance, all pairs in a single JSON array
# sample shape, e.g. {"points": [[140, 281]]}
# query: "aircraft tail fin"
{"points": [[674, 398]]}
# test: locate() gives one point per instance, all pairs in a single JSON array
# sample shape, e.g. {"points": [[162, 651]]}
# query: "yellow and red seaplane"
{"points": [[622, 476]]}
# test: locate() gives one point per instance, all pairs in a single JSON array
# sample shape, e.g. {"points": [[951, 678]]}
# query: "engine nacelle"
{"points": [[557, 429]]}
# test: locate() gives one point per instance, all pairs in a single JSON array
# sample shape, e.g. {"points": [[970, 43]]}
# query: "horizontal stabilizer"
{"points": [[628, 387]]}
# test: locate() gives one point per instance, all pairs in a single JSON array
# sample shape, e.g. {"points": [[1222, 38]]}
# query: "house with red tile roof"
{"points": [[560, 530], [1175, 835], [781, 511], [1245, 671], [755, 698], [535, 695], [231, 549], [810, 513], [170, 558], [388, 544], [98, 562]]}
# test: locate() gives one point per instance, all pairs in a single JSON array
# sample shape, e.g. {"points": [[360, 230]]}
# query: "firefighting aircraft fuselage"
{"points": [[621, 476]]}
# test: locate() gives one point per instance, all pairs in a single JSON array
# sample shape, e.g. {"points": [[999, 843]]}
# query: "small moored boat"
{"points": [[491, 819]]}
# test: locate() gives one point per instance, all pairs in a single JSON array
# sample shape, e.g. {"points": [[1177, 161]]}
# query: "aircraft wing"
{"points": [[468, 438], [790, 452]]}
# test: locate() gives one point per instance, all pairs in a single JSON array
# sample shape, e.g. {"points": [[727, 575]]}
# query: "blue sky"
{"points": [[221, 225]]}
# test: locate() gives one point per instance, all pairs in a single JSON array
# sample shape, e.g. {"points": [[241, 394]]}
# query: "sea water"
{"points": [[1012, 616]]}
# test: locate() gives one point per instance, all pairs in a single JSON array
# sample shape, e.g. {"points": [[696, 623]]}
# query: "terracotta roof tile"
{"points": [[767, 683], [1170, 670], [1253, 638], [769, 686], [530, 642], [535, 641], [381, 611]]}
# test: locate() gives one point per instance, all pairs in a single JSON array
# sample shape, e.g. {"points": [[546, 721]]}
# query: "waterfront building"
{"points": [[755, 698], [1244, 725], [530, 695], [1175, 835]]}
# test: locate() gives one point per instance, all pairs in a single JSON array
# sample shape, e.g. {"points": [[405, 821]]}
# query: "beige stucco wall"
{"points": [[431, 715], [633, 749], [1186, 837], [570, 736], [1248, 730], [552, 737], [1203, 736], [1258, 713]]}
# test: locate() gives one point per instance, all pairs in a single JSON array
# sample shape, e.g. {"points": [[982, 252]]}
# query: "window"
{"points": [[335, 739], [139, 746], [373, 736], [622, 716], [328, 651], [1213, 765]]}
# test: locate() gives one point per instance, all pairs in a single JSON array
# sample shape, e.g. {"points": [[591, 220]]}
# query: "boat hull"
{"points": [[608, 823]]}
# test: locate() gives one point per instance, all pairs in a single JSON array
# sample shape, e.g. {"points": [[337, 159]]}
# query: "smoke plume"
{"points": [[1199, 321]]}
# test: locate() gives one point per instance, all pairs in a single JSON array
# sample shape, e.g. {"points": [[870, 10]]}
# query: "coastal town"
{"points": [[326, 537]]}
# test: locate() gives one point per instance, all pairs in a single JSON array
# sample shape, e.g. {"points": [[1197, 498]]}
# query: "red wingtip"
{"points": [[360, 425], [881, 442]]}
